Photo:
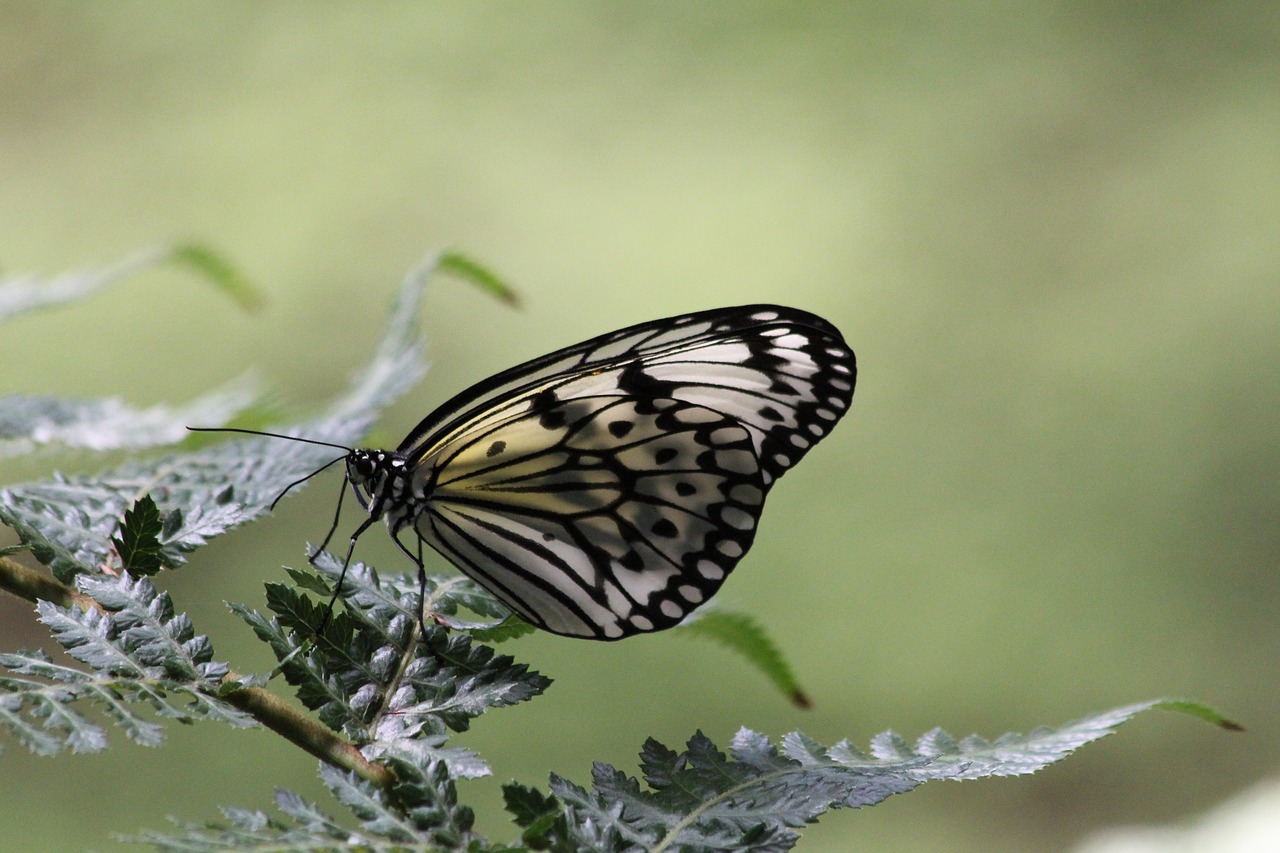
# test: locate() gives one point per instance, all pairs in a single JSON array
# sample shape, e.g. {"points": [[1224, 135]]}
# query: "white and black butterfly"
{"points": [[608, 488]]}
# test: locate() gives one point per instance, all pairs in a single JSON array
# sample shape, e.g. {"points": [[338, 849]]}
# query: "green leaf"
{"points": [[140, 634], [508, 629], [38, 706], [1196, 709], [473, 271], [308, 581], [24, 293], [139, 541], [540, 816], [744, 635], [218, 270], [67, 523]]}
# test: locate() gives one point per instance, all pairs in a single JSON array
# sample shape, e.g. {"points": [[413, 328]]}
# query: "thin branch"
{"points": [[300, 730], [35, 586]]}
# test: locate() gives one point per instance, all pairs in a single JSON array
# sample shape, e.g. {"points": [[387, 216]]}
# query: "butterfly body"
{"points": [[608, 488]]}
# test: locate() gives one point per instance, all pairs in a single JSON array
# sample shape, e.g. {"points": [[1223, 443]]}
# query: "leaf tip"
{"points": [[1204, 712], [471, 270], [220, 272]]}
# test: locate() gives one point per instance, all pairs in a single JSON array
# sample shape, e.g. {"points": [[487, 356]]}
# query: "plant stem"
{"points": [[34, 585], [301, 730]]}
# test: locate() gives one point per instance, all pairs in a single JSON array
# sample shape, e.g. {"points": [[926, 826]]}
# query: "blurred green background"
{"points": [[1050, 232]]}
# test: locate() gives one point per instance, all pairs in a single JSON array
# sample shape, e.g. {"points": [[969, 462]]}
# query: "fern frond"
{"points": [[422, 813], [139, 653], [371, 677], [757, 795], [29, 422], [744, 635]]}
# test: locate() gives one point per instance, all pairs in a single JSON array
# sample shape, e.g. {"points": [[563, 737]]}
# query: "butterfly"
{"points": [[608, 488]]}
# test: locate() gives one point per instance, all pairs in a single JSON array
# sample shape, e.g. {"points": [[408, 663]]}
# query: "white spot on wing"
{"points": [[729, 548], [710, 570], [691, 594], [792, 341]]}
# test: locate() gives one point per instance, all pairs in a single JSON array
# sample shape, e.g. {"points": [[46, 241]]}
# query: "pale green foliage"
{"points": [[756, 795], [30, 422], [21, 294], [370, 675], [740, 632]]}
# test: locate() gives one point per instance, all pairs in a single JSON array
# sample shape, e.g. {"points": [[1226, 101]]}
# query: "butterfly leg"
{"points": [[333, 528], [422, 592], [346, 562], [422, 579]]}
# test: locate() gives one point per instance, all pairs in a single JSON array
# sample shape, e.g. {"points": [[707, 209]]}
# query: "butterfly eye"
{"points": [[362, 466]]}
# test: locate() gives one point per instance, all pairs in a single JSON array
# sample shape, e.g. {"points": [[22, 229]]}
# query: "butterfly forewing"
{"points": [[608, 488], [785, 374]]}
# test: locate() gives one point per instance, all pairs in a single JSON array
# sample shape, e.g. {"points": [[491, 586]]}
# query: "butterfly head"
{"points": [[380, 479], [364, 467]]}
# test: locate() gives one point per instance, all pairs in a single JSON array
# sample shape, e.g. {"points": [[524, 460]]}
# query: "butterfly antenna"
{"points": [[326, 466], [272, 435], [297, 482]]}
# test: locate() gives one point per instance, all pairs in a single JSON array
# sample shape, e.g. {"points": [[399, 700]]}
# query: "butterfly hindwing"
{"points": [[599, 519]]}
